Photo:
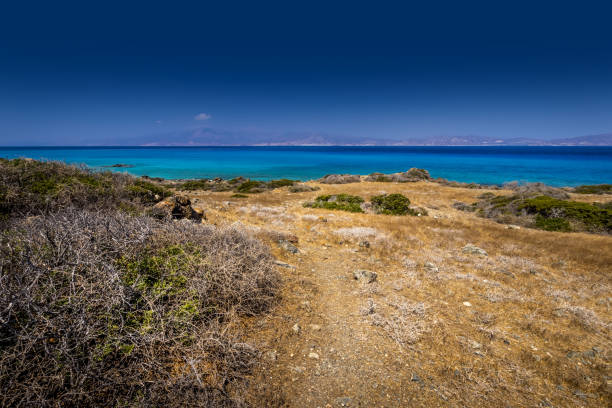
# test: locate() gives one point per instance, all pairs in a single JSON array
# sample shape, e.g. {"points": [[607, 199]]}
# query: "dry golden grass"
{"points": [[528, 325]]}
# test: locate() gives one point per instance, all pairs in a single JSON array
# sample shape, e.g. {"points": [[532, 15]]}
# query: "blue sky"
{"points": [[119, 73]]}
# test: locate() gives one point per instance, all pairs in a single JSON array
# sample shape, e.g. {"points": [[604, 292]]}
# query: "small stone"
{"points": [[364, 244], [416, 378], [365, 276], [344, 401], [431, 267], [514, 227], [288, 246], [296, 328], [468, 304], [283, 265], [474, 344], [474, 250], [315, 327], [313, 355], [271, 355]]}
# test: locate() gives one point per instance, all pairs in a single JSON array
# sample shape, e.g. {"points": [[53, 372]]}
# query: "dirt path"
{"points": [[526, 325]]}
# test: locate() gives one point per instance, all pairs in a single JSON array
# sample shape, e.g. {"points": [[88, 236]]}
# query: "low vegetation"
{"points": [[238, 185], [392, 204], [344, 202], [29, 187], [543, 212], [594, 189], [102, 307]]}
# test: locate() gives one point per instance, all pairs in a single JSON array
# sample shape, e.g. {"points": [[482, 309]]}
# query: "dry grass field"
{"points": [[526, 325]]}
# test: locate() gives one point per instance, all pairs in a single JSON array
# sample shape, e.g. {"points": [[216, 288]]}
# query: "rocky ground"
{"points": [[447, 309]]}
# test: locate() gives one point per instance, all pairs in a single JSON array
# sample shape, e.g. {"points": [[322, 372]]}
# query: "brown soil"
{"points": [[528, 325]]}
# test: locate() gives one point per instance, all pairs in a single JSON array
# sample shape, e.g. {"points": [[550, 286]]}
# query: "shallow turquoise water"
{"points": [[560, 166]]}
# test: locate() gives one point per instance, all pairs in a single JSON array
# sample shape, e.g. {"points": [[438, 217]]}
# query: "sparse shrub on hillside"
{"points": [[302, 188], [344, 202], [106, 309], [531, 189], [594, 189], [591, 217], [251, 186], [544, 212], [238, 184], [29, 187], [392, 204], [280, 183]]}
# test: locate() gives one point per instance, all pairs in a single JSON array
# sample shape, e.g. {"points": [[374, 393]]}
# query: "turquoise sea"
{"points": [[559, 166]]}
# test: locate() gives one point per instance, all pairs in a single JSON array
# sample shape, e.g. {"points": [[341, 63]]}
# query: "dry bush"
{"points": [[357, 233], [105, 309], [406, 323], [29, 187]]}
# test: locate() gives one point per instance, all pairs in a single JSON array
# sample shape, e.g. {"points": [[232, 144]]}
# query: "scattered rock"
{"points": [[344, 401], [120, 165], [364, 244], [271, 355], [474, 344], [431, 267], [415, 377], [369, 308], [340, 179], [296, 328], [474, 250], [302, 188], [412, 175], [366, 276], [313, 355], [468, 304], [314, 327], [514, 227], [177, 207], [283, 264], [288, 246]]}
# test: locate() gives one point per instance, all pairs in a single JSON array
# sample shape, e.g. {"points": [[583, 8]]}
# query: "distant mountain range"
{"points": [[216, 137]]}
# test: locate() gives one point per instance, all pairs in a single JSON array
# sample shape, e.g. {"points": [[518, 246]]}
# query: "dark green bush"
{"points": [[280, 183], [594, 189], [191, 185], [344, 202], [592, 217], [250, 186], [29, 187], [552, 224], [392, 204]]}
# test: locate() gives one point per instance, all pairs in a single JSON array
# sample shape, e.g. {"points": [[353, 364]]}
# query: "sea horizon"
{"points": [[494, 165]]}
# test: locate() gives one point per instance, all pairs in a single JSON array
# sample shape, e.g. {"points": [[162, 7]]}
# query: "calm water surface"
{"points": [[560, 166]]}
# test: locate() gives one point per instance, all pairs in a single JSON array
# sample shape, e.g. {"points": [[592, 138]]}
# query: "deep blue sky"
{"points": [[108, 73]]}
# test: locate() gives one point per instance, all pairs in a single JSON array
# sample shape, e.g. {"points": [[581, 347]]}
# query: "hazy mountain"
{"points": [[220, 137]]}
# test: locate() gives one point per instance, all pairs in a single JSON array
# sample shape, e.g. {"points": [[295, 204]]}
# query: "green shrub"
{"points": [[191, 185], [392, 204], [344, 202], [552, 224], [30, 187], [592, 217], [594, 189], [249, 186], [280, 183]]}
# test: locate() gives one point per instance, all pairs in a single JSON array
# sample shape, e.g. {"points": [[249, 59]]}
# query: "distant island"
{"points": [[216, 137]]}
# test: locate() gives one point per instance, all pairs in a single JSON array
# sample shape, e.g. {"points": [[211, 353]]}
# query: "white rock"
{"points": [[468, 304]]}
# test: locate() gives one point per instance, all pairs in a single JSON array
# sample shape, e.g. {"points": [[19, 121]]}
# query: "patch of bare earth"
{"points": [[527, 324]]}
